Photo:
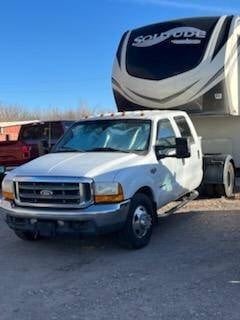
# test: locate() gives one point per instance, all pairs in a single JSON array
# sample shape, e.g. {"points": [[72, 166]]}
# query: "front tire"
{"points": [[27, 235], [139, 225]]}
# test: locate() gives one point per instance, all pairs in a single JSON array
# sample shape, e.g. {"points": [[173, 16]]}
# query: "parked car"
{"points": [[34, 139]]}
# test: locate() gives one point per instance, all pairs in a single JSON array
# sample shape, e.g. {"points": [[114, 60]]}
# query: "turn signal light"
{"points": [[109, 198], [8, 195]]}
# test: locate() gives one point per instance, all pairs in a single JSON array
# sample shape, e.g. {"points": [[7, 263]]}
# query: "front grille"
{"points": [[53, 193]]}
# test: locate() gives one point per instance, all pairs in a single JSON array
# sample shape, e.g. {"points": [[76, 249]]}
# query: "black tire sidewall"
{"points": [[127, 235], [229, 188], [26, 235]]}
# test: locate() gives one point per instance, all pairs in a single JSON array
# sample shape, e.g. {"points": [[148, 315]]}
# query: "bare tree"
{"points": [[14, 113], [18, 113]]}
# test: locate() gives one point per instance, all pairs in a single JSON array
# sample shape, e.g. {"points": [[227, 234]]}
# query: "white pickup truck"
{"points": [[106, 174]]}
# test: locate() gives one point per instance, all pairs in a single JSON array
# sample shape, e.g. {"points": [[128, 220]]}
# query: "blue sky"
{"points": [[59, 53]]}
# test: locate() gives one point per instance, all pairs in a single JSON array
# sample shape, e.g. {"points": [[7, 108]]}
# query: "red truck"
{"points": [[34, 139]]}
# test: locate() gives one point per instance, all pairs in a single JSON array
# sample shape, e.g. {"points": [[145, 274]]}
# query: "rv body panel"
{"points": [[190, 64], [220, 135]]}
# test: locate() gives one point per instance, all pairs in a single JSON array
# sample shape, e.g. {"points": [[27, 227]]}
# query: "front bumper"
{"points": [[96, 219]]}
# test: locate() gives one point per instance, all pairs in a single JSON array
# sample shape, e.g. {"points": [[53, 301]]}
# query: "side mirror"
{"points": [[182, 148], [165, 148], [178, 149]]}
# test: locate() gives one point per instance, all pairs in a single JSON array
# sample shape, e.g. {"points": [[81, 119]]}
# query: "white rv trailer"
{"points": [[193, 65]]}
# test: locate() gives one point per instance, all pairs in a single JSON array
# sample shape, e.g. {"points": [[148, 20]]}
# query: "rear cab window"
{"points": [[32, 133], [42, 131], [184, 128]]}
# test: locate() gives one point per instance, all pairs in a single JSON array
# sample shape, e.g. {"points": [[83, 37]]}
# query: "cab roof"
{"points": [[140, 114]]}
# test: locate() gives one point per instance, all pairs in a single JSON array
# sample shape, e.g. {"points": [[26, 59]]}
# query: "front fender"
{"points": [[134, 178]]}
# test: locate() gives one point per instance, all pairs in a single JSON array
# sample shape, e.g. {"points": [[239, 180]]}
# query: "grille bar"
{"points": [[50, 187], [57, 197], [70, 192]]}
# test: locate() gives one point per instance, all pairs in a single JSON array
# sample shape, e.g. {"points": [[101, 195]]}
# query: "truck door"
{"points": [[191, 167], [169, 170]]}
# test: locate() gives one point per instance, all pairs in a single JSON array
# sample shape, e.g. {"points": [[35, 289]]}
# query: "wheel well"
{"points": [[148, 192]]}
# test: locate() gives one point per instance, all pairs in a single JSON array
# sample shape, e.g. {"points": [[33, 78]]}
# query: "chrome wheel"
{"points": [[141, 222], [138, 228]]}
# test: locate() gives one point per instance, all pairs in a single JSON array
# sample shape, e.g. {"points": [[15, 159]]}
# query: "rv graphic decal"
{"points": [[181, 35]]}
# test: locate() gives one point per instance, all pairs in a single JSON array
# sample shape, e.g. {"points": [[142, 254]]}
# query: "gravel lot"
{"points": [[190, 270]]}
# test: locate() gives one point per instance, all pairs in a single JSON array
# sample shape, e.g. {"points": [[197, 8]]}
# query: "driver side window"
{"points": [[165, 136]]}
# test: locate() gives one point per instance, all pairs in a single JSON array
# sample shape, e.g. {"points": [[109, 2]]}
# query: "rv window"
{"points": [[223, 36], [164, 50]]}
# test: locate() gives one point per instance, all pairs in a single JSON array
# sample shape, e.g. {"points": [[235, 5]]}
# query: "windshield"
{"points": [[128, 135]]}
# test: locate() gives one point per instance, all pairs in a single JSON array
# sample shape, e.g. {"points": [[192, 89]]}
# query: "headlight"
{"points": [[7, 189], [106, 192]]}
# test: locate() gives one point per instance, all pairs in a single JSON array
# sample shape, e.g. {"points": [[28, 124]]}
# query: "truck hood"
{"points": [[92, 164]]}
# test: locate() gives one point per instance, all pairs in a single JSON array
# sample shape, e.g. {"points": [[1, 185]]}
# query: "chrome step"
{"points": [[180, 203]]}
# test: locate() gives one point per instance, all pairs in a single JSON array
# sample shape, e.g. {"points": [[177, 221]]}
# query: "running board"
{"points": [[183, 201]]}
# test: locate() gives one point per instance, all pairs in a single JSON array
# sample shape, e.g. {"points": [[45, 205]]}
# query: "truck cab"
{"points": [[109, 173]]}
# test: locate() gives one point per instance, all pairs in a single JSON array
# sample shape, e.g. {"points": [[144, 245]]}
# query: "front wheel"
{"points": [[139, 225], [27, 235]]}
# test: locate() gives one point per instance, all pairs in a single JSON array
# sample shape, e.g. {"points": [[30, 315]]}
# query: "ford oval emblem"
{"points": [[46, 193]]}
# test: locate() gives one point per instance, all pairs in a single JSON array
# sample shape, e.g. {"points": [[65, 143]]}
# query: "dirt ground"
{"points": [[189, 271], [213, 204]]}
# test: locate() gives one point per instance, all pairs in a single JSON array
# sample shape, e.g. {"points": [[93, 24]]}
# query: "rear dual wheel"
{"points": [[227, 188]]}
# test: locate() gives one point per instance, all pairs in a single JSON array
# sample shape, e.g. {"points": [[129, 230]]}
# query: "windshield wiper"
{"points": [[108, 149], [68, 149], [100, 149]]}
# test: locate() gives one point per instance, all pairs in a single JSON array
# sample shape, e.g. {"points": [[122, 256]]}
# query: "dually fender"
{"points": [[214, 165]]}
